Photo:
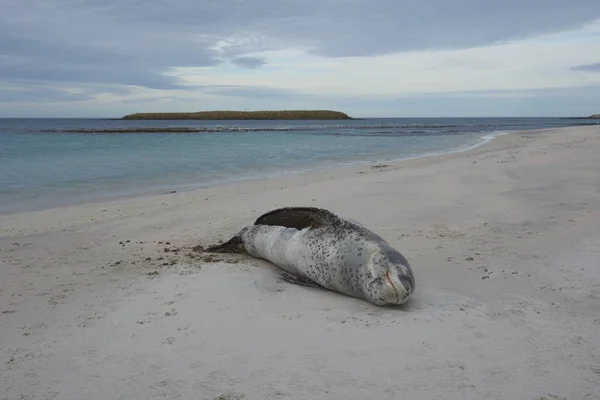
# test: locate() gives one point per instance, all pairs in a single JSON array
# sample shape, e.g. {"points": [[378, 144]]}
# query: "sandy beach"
{"points": [[110, 301]]}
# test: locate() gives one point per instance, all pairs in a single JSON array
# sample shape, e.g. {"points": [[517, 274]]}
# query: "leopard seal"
{"points": [[315, 247]]}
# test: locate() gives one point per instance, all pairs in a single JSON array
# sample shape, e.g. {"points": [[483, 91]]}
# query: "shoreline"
{"points": [[503, 239], [485, 139]]}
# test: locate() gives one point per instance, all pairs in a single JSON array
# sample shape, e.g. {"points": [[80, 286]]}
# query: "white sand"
{"points": [[504, 241]]}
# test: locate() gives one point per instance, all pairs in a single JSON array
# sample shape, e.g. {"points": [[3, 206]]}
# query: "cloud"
{"points": [[530, 64], [133, 42], [40, 91], [248, 91], [554, 102], [73, 45], [248, 62], [41, 95], [587, 67], [197, 54]]}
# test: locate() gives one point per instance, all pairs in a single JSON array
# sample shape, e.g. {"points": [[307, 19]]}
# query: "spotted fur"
{"points": [[318, 246]]}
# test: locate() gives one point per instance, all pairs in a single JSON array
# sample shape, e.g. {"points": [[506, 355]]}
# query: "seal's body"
{"points": [[318, 248]]}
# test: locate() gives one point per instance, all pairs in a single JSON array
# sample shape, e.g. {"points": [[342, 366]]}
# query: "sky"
{"points": [[368, 58]]}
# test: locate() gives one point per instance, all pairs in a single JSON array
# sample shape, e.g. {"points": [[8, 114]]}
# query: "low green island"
{"points": [[242, 115], [593, 116]]}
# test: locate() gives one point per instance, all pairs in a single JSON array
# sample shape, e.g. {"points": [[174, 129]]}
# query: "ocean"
{"points": [[41, 166]]}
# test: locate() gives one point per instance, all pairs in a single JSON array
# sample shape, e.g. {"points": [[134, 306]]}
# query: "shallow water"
{"points": [[41, 169]]}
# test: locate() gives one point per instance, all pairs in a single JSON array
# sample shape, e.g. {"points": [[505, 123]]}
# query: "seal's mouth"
{"points": [[393, 285]]}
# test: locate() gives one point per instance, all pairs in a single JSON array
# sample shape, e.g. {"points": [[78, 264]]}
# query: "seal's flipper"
{"points": [[233, 245], [297, 217], [299, 280]]}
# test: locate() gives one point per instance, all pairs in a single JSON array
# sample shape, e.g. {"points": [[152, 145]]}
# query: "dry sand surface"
{"points": [[109, 301]]}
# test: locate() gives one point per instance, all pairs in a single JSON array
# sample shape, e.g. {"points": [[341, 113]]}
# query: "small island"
{"points": [[242, 115], [593, 116]]}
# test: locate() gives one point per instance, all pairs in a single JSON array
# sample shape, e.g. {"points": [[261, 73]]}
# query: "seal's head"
{"points": [[391, 281]]}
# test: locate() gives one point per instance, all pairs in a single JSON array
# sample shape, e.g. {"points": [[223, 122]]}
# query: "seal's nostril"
{"points": [[408, 283]]}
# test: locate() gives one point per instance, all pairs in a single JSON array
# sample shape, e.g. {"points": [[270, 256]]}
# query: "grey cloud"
{"points": [[107, 74], [39, 91], [551, 102], [157, 100], [40, 95], [248, 62], [592, 90], [354, 27], [134, 41], [251, 92], [44, 47], [587, 67]]}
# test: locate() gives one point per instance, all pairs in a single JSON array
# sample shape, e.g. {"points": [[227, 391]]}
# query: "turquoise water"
{"points": [[41, 169]]}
